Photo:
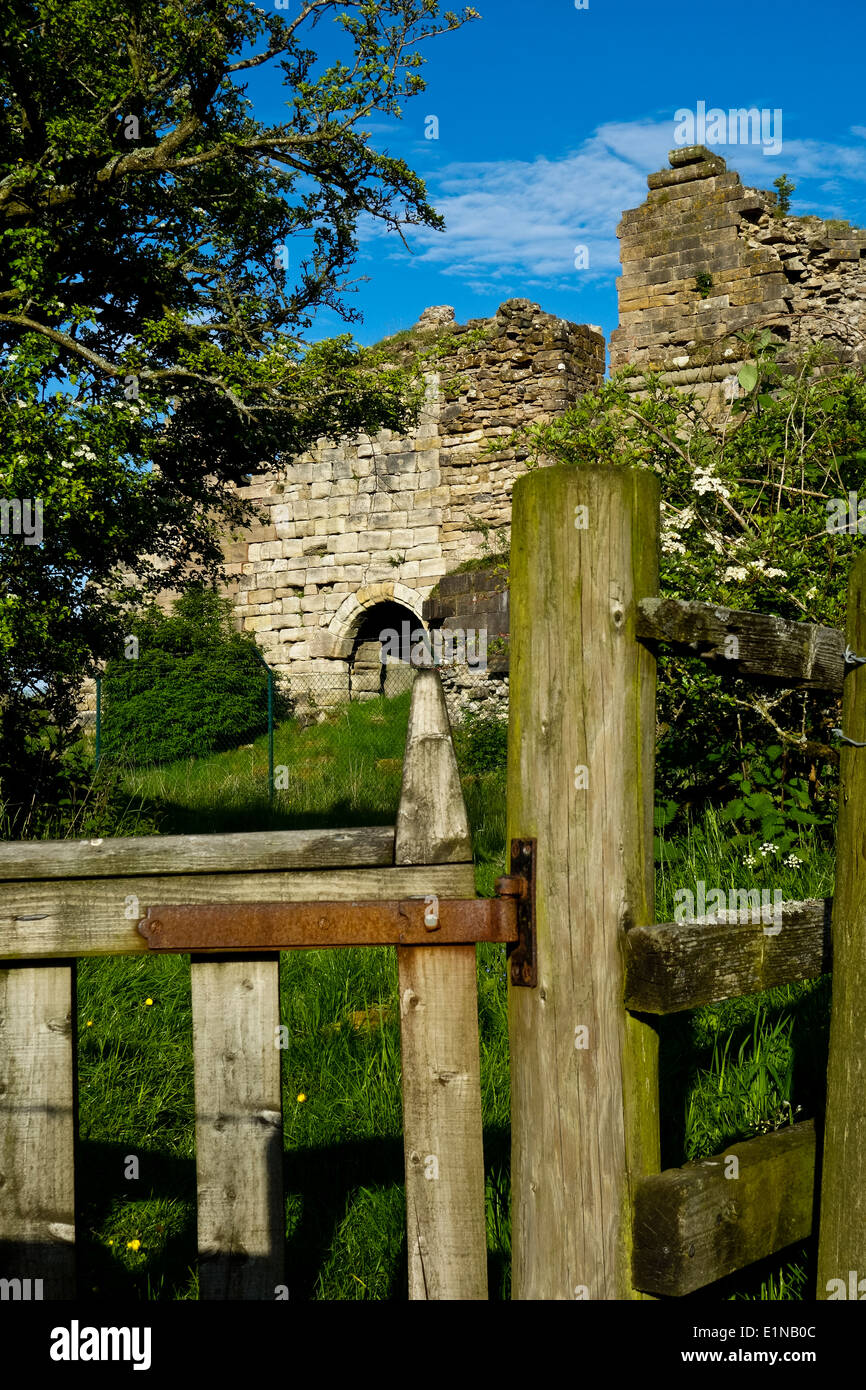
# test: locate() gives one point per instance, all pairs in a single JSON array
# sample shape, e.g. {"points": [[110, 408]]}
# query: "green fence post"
{"points": [[98, 750], [270, 737], [270, 725]]}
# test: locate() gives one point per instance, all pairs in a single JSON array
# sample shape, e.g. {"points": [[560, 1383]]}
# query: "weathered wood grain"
{"points": [[738, 643], [580, 781], [681, 965], [696, 1224], [100, 916], [843, 1185], [442, 1129], [197, 854], [37, 1127], [238, 1128]]}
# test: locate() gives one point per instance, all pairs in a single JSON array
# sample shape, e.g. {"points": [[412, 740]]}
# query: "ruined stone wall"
{"points": [[803, 277], [373, 521]]}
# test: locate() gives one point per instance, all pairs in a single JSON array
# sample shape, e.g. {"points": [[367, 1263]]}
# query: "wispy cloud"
{"points": [[519, 222]]}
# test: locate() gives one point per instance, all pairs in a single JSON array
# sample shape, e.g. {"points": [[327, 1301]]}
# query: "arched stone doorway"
{"points": [[386, 631]]}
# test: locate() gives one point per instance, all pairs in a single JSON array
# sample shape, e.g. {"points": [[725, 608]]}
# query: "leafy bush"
{"points": [[195, 687], [481, 743], [751, 490]]}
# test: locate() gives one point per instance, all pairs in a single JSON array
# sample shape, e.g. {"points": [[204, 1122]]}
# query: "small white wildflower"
{"points": [[775, 574], [768, 848], [705, 482], [750, 861], [792, 861], [735, 572]]}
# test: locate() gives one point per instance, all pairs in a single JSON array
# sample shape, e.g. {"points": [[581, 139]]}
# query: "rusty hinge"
{"points": [[425, 921], [521, 955]]}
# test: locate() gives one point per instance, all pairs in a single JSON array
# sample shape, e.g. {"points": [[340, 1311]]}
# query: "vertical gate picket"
{"points": [[238, 1127], [38, 1106], [442, 1133]]}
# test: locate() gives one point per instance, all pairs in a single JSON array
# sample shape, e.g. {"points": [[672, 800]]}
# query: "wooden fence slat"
{"points": [[100, 916], [842, 1247], [258, 852], [681, 965], [442, 1127], [738, 643], [37, 1127], [696, 1224], [238, 1128], [580, 782]]}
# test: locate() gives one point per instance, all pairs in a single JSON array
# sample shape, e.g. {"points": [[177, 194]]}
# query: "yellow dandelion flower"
{"points": [[133, 1245], [302, 1097], [148, 1001], [90, 1023]]}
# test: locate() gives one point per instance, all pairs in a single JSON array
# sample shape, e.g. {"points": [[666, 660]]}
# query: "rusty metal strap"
{"points": [[293, 926]]}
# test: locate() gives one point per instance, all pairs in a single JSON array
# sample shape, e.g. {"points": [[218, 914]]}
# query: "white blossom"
{"points": [[706, 482]]}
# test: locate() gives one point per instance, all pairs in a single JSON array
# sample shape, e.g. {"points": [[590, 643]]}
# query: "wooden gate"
{"points": [[592, 1215], [68, 899]]}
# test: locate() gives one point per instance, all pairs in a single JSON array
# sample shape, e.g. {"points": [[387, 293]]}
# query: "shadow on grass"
{"points": [[175, 819], [326, 1178], [102, 1188]]}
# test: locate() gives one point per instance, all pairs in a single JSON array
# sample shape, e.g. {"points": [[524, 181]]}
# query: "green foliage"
{"points": [[481, 743], [703, 283], [746, 493], [195, 686], [767, 805], [65, 799], [784, 189]]}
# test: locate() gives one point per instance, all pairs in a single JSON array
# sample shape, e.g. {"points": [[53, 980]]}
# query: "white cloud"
{"points": [[518, 222]]}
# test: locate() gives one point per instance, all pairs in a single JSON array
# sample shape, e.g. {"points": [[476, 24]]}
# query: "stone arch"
{"points": [[344, 625], [379, 659]]}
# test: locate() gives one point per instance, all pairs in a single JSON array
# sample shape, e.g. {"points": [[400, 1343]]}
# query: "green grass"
{"points": [[728, 1072]]}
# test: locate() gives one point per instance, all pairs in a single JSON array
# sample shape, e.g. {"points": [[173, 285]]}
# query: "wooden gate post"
{"points": [[581, 750], [442, 1135], [842, 1242]]}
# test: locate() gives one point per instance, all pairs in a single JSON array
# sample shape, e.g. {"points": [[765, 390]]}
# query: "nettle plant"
{"points": [[744, 505]]}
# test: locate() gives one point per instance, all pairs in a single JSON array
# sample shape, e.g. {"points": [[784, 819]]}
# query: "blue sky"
{"points": [[551, 117]]}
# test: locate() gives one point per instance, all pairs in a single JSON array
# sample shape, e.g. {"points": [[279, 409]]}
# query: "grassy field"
{"points": [[728, 1072]]}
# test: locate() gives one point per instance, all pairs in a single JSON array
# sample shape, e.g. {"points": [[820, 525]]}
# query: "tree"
{"points": [[155, 340], [784, 188]]}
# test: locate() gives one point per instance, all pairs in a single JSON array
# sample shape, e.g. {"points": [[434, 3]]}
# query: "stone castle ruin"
{"points": [[358, 534]]}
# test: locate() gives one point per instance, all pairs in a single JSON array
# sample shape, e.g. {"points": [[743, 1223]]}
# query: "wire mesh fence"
{"points": [[214, 717]]}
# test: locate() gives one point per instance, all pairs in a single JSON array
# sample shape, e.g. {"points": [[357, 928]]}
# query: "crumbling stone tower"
{"points": [[705, 258]]}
